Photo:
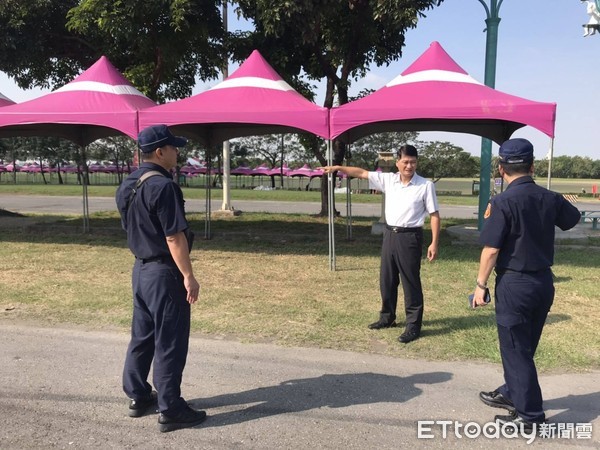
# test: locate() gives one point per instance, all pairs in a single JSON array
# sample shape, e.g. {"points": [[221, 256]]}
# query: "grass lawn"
{"points": [[265, 277]]}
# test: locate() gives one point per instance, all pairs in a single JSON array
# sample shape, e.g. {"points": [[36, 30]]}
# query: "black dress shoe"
{"points": [[496, 400], [409, 336], [186, 418], [517, 421], [139, 408], [381, 324]]}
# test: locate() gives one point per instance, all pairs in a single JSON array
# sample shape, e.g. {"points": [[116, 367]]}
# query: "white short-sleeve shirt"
{"points": [[405, 205]]}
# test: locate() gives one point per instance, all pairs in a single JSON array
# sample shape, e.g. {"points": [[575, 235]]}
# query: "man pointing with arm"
{"points": [[409, 198]]}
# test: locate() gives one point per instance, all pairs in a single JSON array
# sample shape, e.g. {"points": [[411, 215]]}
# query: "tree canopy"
{"points": [[160, 46]]}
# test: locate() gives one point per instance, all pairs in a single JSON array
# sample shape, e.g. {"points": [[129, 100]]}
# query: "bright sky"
{"points": [[542, 56]]}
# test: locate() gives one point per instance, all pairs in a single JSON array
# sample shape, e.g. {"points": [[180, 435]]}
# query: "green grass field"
{"points": [[289, 193], [265, 277]]}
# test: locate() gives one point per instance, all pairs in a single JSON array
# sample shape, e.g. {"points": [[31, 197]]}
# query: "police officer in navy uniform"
{"points": [[518, 240], [164, 287], [408, 199]]}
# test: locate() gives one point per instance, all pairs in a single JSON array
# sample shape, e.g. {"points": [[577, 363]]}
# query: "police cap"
{"points": [[157, 136], [516, 151]]}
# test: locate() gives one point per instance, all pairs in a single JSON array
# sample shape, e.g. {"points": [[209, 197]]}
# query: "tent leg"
{"points": [[331, 215], [207, 208], [550, 156], [348, 203], [348, 210], [86, 206]]}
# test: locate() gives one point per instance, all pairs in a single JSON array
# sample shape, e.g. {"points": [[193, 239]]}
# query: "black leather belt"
{"points": [[528, 272], [161, 259], [403, 229]]}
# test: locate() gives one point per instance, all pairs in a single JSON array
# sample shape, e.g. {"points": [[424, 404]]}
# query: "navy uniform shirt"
{"points": [[520, 222], [155, 212]]}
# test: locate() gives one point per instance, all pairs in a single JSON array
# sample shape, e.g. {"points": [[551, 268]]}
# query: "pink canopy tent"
{"points": [[305, 171], [98, 103], [253, 100], [436, 94], [5, 101]]}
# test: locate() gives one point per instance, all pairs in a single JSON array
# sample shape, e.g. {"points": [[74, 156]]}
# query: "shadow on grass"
{"points": [[449, 325], [332, 391], [269, 234]]}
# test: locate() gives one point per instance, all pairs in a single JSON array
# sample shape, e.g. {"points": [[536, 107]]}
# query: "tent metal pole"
{"points": [[86, 206], [550, 156], [331, 215], [348, 203], [207, 206]]}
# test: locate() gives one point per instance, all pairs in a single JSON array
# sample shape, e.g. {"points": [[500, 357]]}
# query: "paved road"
{"points": [[73, 205], [61, 388]]}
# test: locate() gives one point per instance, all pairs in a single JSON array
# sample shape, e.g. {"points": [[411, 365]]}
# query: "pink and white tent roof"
{"points": [[305, 171], [5, 101], [253, 100], [98, 103], [436, 94]]}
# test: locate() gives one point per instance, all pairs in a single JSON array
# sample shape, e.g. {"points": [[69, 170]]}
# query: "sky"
{"points": [[542, 56]]}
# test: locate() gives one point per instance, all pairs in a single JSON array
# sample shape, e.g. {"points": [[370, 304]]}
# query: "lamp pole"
{"points": [[491, 47]]}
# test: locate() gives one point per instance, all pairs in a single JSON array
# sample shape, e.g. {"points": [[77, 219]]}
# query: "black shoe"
{"points": [[139, 408], [408, 336], [382, 324], [496, 400], [518, 422], [186, 418]]}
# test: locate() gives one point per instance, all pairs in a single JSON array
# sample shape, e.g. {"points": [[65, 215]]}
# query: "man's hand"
{"points": [[432, 252], [329, 169], [193, 289], [478, 297]]}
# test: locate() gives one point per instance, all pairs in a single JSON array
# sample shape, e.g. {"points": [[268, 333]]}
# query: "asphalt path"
{"points": [[46, 204], [61, 388]]}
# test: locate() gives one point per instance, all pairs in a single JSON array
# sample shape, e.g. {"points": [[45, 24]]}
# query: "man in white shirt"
{"points": [[408, 199]]}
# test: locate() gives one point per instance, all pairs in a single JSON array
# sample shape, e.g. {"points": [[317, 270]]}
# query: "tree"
{"points": [[336, 40], [270, 149], [119, 150], [561, 167], [581, 167], [161, 46], [363, 153], [442, 159]]}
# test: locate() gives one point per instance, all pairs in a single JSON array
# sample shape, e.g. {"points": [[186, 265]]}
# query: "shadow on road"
{"points": [[332, 391]]}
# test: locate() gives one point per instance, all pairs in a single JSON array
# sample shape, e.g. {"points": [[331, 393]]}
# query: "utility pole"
{"points": [[491, 47]]}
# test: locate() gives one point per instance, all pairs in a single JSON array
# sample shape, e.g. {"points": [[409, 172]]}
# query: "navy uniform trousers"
{"points": [[401, 260], [523, 301], [160, 331]]}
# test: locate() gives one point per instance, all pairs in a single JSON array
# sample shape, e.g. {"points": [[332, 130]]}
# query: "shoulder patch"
{"points": [[488, 211]]}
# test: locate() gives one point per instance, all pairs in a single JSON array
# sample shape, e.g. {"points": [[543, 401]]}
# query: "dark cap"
{"points": [[516, 151], [157, 136]]}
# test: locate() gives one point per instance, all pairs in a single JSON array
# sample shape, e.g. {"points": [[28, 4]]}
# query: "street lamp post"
{"points": [[491, 46]]}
